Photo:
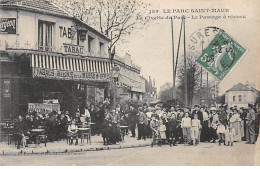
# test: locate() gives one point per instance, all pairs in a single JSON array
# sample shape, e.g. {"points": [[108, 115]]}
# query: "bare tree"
{"points": [[116, 19]]}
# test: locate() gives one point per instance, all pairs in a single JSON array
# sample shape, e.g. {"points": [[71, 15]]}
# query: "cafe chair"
{"points": [[85, 134], [10, 132], [41, 139]]}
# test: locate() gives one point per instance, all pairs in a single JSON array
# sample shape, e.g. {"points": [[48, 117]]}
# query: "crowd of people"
{"points": [[167, 125]]}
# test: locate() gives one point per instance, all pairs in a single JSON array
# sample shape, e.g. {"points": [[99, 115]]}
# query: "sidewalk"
{"points": [[62, 146]]}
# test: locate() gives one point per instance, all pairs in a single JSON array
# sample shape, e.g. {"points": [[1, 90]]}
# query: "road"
{"points": [[203, 154]]}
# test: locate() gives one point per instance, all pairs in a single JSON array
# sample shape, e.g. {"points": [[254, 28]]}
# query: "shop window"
{"points": [[239, 98], [234, 98], [45, 35]]}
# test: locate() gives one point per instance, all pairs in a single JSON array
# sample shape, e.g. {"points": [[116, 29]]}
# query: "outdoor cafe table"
{"points": [[83, 129], [91, 123], [123, 129], [37, 132]]}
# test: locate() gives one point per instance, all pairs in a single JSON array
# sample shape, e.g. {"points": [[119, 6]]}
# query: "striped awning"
{"points": [[65, 63]]}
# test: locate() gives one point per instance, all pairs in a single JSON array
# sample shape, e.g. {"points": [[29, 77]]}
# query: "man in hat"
{"points": [[142, 122], [257, 120], [223, 115], [205, 125], [213, 121], [132, 119], [250, 124], [198, 112]]}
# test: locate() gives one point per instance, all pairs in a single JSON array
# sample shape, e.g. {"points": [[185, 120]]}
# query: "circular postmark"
{"points": [[218, 51]]}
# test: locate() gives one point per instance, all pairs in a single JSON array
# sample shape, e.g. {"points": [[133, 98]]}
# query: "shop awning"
{"points": [[70, 63], [70, 68]]}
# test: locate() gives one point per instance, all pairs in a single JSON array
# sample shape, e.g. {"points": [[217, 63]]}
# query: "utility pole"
{"points": [[173, 72], [208, 100], [202, 42], [177, 57], [185, 69]]}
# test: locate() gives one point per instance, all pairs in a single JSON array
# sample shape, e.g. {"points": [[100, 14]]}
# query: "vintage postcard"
{"points": [[129, 82]]}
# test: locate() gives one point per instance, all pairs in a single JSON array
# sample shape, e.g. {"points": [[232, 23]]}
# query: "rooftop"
{"points": [[240, 87], [40, 5]]}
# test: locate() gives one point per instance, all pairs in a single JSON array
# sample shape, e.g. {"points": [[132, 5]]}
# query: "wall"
{"points": [[247, 97], [27, 32]]}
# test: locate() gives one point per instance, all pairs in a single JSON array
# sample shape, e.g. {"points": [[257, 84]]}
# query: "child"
{"points": [[179, 129], [172, 129], [73, 129], [186, 125], [162, 130], [221, 133], [195, 123], [229, 136]]}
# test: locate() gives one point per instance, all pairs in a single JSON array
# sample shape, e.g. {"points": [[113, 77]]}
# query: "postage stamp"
{"points": [[221, 55]]}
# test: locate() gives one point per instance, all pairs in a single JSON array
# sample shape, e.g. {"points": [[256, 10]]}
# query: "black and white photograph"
{"points": [[129, 83]]}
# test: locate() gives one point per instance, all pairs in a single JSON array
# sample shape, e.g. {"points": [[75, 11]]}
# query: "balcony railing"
{"points": [[4, 45]]}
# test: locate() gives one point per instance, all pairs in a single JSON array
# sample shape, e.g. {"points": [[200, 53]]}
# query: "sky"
{"points": [[151, 48]]}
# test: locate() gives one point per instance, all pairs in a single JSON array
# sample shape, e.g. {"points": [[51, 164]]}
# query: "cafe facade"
{"points": [[51, 61], [48, 59]]}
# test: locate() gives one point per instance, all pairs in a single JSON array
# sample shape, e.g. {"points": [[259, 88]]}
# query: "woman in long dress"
{"points": [[235, 122]]}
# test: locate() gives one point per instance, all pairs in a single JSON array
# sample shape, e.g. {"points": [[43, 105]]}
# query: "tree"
{"points": [[114, 18], [193, 78]]}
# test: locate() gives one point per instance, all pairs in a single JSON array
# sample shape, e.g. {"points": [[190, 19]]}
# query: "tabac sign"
{"points": [[70, 75], [73, 49], [8, 25]]}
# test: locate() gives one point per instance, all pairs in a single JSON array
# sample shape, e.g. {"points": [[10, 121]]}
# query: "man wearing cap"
{"points": [[250, 124]]}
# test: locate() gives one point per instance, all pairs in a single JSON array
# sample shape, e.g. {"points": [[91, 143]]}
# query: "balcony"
{"points": [[29, 47]]}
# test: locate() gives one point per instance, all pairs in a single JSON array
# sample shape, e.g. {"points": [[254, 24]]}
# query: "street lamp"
{"points": [[115, 74]]}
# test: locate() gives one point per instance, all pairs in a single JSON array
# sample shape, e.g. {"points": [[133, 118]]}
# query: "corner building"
{"points": [[48, 59]]}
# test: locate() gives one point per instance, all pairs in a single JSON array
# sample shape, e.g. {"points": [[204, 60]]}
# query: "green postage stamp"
{"points": [[221, 55]]}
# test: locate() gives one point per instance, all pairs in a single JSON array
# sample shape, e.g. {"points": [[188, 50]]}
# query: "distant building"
{"points": [[241, 95], [151, 90], [130, 85]]}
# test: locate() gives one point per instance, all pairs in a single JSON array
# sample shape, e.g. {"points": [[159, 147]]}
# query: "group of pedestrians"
{"points": [[190, 127], [173, 125]]}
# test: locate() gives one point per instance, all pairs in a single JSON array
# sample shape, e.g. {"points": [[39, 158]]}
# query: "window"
{"points": [[45, 35], [234, 98], [244, 98], [90, 43], [101, 48], [239, 98]]}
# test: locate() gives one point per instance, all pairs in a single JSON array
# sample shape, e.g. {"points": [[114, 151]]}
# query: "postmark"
{"points": [[221, 55]]}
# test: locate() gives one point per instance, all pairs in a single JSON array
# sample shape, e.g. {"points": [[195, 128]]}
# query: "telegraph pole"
{"points": [[201, 74], [185, 69], [173, 72]]}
